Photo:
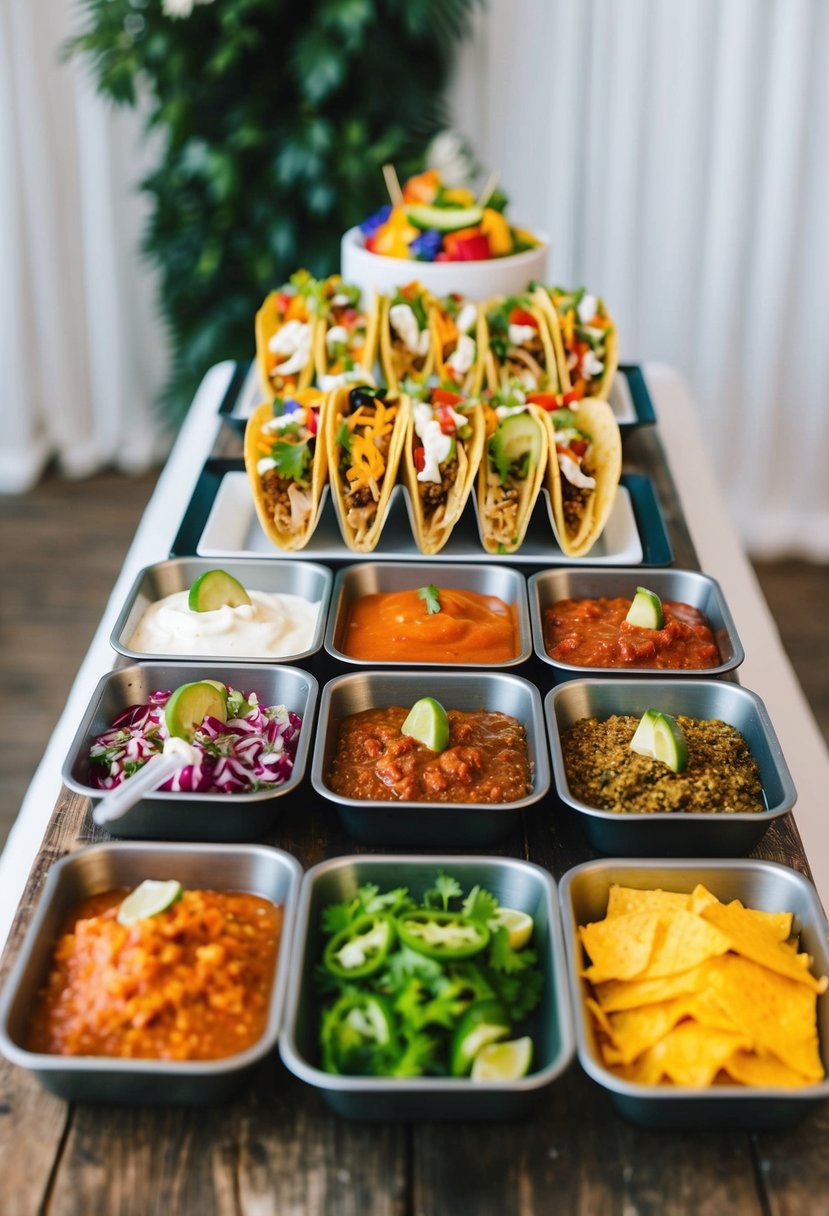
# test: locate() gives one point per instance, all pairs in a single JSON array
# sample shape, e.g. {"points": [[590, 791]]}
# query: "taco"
{"points": [[459, 343], [286, 463], [285, 328], [521, 346], [441, 453], [345, 341], [589, 346], [405, 341], [512, 468], [583, 473], [364, 433]]}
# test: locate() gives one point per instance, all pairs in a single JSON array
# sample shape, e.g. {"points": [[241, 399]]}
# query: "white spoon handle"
{"points": [[149, 777]]}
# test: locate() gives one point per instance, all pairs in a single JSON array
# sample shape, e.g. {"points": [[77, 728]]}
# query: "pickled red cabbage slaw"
{"points": [[252, 751]]}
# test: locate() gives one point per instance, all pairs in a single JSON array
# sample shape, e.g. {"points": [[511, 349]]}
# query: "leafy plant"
{"points": [[276, 123]]}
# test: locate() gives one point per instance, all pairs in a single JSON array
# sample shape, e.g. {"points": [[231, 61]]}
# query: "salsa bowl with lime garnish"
{"points": [[229, 814], [285, 625], [703, 822], [405, 604], [577, 624], [268, 873], [517, 885], [425, 811]]}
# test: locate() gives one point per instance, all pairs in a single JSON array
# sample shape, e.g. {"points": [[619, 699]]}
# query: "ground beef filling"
{"points": [[721, 775], [575, 499], [487, 759], [433, 495]]}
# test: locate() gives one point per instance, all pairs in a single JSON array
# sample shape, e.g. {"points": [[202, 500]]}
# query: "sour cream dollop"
{"points": [[272, 626]]}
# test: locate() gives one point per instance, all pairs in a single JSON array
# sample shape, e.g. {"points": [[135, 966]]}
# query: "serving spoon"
{"points": [[176, 755]]}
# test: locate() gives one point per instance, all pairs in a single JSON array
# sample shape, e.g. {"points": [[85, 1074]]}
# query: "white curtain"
{"points": [[677, 153], [82, 353]]}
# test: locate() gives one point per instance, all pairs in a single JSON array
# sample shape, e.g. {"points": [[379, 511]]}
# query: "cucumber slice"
{"points": [[190, 704], [659, 737], [518, 436], [444, 219], [214, 589], [645, 610]]}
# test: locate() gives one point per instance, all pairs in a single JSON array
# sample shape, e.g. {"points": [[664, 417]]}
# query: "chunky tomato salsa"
{"points": [[191, 983], [486, 761], [594, 633], [399, 627]]}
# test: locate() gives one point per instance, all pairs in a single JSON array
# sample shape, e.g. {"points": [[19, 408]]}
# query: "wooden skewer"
{"points": [[489, 189], [393, 186]]}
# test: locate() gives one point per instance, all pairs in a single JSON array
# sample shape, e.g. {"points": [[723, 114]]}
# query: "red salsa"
{"points": [[594, 633]]}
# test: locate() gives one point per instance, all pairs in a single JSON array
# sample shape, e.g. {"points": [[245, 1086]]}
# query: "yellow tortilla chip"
{"points": [[615, 995], [631, 899], [751, 939], [779, 1015], [686, 940], [636, 1030], [778, 924], [692, 1055], [763, 1072], [620, 948]]}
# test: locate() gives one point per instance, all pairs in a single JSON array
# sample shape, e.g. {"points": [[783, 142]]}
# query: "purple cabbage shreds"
{"points": [[237, 757]]}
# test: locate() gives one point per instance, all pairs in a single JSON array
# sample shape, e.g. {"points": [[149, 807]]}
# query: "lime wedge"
{"points": [[190, 704], [214, 589], [503, 1061], [427, 722], [519, 926], [658, 736], [645, 610], [148, 899]]}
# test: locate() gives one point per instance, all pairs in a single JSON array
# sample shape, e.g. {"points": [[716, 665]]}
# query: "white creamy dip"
{"points": [[272, 626]]}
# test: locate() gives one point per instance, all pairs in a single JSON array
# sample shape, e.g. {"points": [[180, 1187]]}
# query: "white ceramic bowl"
{"points": [[475, 280]]}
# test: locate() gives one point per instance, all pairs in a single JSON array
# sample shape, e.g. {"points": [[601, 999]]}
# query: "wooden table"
{"points": [[276, 1149]]}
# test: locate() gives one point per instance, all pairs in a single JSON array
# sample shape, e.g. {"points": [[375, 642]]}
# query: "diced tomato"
{"points": [[575, 394], [520, 316], [283, 301], [445, 396], [348, 317], [312, 420], [419, 455], [547, 401], [447, 422], [579, 446], [468, 248]]}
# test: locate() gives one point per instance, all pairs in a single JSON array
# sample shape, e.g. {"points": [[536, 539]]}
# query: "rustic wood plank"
{"points": [[793, 1167]]}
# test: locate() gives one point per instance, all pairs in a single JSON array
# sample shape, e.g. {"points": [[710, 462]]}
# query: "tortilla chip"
{"points": [[763, 1072], [637, 1030], [778, 924], [431, 533], [631, 899], [691, 1054], [751, 939], [279, 529], [615, 995], [596, 418], [686, 940], [778, 1014], [619, 949]]}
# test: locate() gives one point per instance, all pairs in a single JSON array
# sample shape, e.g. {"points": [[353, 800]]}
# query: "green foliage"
{"points": [[276, 123]]}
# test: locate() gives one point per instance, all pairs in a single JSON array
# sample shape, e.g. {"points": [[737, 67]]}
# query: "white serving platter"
{"points": [[232, 529]]}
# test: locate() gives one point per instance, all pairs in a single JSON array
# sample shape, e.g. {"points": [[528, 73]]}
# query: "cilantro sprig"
{"points": [[431, 597]]}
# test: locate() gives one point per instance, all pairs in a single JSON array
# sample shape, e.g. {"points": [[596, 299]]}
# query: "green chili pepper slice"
{"points": [[442, 935], [484, 1022], [361, 948], [357, 1035]]}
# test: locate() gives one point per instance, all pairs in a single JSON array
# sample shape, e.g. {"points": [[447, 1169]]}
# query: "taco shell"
{"points": [[397, 362], [600, 389], [433, 529], [502, 523], [471, 383], [360, 526], [269, 321], [597, 420], [366, 357], [498, 373]]}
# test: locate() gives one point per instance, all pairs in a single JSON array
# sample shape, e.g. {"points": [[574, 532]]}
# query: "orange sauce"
{"points": [[396, 627], [191, 983]]}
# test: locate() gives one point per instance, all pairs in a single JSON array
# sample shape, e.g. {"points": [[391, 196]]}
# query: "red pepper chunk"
{"points": [[520, 316], [419, 455], [445, 396], [547, 401]]}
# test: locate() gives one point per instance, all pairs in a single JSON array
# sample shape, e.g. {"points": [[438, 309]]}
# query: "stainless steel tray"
{"points": [[307, 579], [583, 894], [268, 872], [430, 824], [516, 884], [672, 834], [167, 815], [368, 578]]}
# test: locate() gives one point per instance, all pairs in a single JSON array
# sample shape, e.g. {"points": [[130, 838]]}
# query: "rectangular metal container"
{"points": [[270, 873], [153, 583], [683, 586], [369, 578], [516, 884], [168, 815], [672, 834], [430, 824], [765, 885]]}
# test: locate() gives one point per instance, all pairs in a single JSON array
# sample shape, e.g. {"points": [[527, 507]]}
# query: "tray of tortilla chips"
{"points": [[700, 989]]}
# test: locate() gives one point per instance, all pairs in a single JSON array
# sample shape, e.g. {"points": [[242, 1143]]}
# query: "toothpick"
{"points": [[393, 186], [489, 189]]}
